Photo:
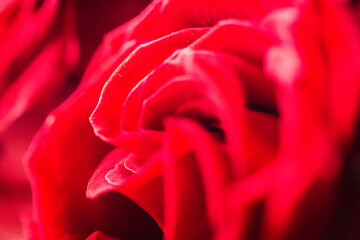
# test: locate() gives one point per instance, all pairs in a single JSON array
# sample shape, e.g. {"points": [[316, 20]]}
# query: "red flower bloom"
{"points": [[221, 120]]}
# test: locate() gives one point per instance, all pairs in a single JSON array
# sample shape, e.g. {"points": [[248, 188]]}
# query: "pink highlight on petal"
{"points": [[118, 175], [144, 185], [284, 65], [98, 184]]}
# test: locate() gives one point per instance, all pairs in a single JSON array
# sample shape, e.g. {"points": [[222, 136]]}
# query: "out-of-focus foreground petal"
{"points": [[38, 51]]}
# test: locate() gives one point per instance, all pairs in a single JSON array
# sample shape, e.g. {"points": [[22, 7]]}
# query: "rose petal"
{"points": [[33, 84], [143, 186], [189, 14], [311, 157], [175, 92], [23, 34], [344, 66], [104, 119], [245, 39], [23, 64], [97, 183], [59, 185], [100, 236], [186, 215]]}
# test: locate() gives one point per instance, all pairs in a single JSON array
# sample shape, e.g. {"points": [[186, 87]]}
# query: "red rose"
{"points": [[220, 120]]}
